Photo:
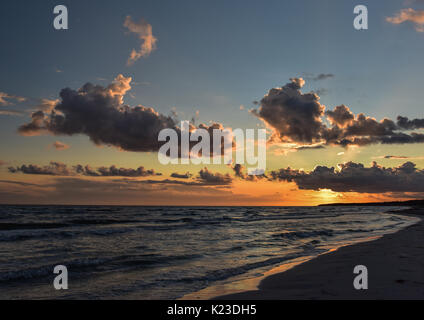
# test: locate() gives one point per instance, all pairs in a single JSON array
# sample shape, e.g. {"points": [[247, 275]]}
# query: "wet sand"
{"points": [[395, 264]]}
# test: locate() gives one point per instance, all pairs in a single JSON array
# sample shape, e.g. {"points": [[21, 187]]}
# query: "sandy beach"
{"points": [[395, 264]]}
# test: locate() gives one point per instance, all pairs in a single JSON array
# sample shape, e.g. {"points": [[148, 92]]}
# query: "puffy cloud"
{"points": [[6, 99], [416, 17], [355, 177], [60, 145], [217, 178], [294, 116], [99, 113], [143, 30], [61, 169], [37, 126], [341, 116], [297, 118]]}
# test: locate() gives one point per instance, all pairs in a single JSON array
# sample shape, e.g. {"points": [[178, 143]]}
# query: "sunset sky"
{"points": [[297, 68]]}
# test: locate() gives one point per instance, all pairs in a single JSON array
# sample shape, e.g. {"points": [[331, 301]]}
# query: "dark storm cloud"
{"points": [[61, 169], [297, 117], [355, 177]]}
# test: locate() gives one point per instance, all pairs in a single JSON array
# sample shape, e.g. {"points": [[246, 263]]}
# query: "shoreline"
{"points": [[395, 263]]}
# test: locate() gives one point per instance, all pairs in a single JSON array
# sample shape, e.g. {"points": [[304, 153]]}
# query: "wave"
{"points": [[293, 235], [90, 265]]}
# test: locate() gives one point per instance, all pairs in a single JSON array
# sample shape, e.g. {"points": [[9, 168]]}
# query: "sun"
{"points": [[328, 194]]}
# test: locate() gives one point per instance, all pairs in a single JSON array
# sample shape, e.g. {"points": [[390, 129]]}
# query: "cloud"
{"points": [[390, 157], [100, 113], [6, 99], [298, 118], [323, 76], [217, 178], [114, 171], [11, 113], [60, 145], [143, 30], [46, 105], [37, 126], [416, 17], [294, 116], [395, 157], [20, 183], [61, 169], [123, 191], [239, 173], [354, 177], [186, 175], [318, 77], [53, 169], [405, 123], [340, 116]]}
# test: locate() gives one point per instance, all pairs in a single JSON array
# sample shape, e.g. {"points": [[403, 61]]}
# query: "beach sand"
{"points": [[395, 264]]}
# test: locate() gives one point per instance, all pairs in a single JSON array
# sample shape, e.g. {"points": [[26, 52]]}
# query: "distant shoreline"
{"points": [[407, 203], [394, 264]]}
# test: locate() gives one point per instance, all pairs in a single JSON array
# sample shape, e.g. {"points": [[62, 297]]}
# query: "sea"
{"points": [[136, 252]]}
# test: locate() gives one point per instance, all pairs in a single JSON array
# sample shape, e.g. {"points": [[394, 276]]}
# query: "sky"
{"points": [[298, 69]]}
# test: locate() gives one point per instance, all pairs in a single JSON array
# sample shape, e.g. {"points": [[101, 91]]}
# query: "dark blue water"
{"points": [[166, 252]]}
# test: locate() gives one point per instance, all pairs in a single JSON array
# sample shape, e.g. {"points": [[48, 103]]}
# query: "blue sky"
{"points": [[214, 56]]}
